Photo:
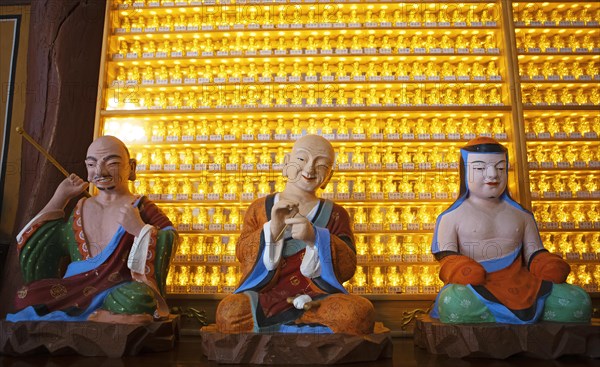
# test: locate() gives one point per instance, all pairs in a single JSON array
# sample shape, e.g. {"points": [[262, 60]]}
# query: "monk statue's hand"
{"points": [[460, 269], [282, 210], [129, 218], [71, 187], [549, 267], [302, 229]]}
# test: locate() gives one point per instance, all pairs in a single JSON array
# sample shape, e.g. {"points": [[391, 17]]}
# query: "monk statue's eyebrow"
{"points": [[502, 161], [112, 156]]}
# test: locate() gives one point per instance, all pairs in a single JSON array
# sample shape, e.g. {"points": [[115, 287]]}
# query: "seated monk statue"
{"points": [[115, 247], [492, 260], [296, 250]]}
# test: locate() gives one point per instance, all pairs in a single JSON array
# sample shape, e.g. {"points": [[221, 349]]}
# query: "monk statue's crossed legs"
{"points": [[342, 313]]}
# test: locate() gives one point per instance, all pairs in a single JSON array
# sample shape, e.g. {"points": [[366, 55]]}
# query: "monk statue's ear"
{"points": [[324, 184], [132, 167], [286, 161]]}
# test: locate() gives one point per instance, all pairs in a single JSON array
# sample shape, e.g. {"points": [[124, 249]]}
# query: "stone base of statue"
{"points": [[87, 338], [309, 349], [544, 340]]}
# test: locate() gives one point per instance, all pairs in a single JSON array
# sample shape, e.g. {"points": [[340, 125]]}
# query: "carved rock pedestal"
{"points": [[544, 340], [276, 348], [86, 338]]}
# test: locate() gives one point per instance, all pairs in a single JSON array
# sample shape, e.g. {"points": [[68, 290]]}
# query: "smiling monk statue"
{"points": [[116, 246], [492, 259], [296, 250]]}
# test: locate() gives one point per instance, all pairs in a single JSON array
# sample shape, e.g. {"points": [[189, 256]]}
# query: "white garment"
{"points": [[311, 265]]}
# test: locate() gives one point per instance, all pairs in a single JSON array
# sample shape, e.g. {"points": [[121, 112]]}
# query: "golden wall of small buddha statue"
{"points": [[209, 96]]}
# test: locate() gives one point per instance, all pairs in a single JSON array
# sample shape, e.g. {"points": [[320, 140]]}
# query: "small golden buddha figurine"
{"points": [[373, 98], [234, 156], [358, 126], [312, 126], [552, 126], [374, 185], [360, 217], [494, 96], [296, 129], [172, 186], [179, 46], [576, 70], [532, 69], [389, 157], [462, 69], [561, 214], [557, 42], [202, 189], [264, 127], [296, 96], [279, 156], [418, 97], [479, 97], [388, 98], [591, 69], [263, 185], [419, 156], [436, 156], [550, 97], [557, 184], [573, 42], [342, 186], [594, 97], [543, 42], [357, 98], [447, 69], [281, 97], [540, 154], [585, 154], [296, 72], [580, 97], [219, 157], [358, 156], [326, 128], [583, 125], [325, 71], [565, 96], [416, 42], [157, 188], [232, 187], [355, 43], [556, 155], [248, 185], [433, 97], [342, 156], [574, 186], [374, 157]]}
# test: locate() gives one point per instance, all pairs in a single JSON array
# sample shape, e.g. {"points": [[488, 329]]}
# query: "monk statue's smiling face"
{"points": [[108, 164], [487, 174], [310, 164]]}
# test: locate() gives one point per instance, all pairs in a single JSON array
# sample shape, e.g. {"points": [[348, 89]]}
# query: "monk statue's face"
{"points": [[109, 165], [310, 164], [486, 174]]}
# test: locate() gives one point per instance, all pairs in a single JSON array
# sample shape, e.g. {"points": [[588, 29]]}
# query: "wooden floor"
{"points": [[188, 353]]}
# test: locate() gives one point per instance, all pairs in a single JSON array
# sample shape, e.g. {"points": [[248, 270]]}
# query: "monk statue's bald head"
{"points": [[310, 164], [109, 164]]}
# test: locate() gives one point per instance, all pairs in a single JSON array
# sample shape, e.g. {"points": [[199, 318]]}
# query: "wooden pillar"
{"points": [[65, 43]]}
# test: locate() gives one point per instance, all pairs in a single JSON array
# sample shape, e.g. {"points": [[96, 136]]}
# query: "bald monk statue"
{"points": [[115, 245], [492, 260], [296, 250]]}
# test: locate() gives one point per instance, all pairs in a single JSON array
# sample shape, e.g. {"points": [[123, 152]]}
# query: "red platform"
{"points": [[86, 338], [544, 340], [307, 349]]}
